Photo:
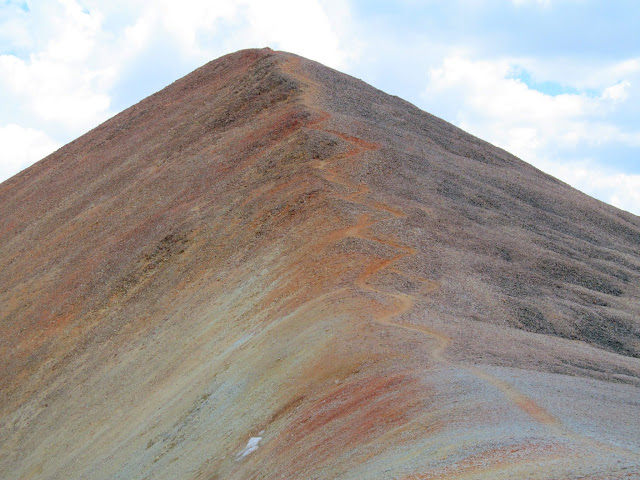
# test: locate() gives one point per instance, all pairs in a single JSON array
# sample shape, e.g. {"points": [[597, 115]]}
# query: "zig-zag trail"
{"points": [[403, 302]]}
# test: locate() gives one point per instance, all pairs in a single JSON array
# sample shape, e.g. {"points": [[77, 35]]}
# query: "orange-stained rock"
{"points": [[270, 269]]}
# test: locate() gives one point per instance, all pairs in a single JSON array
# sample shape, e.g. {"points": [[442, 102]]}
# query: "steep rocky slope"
{"points": [[270, 269]]}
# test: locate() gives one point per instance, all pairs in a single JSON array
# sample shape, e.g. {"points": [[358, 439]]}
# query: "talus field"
{"points": [[272, 270]]}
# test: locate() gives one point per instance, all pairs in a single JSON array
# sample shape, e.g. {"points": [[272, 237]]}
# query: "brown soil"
{"points": [[270, 248]]}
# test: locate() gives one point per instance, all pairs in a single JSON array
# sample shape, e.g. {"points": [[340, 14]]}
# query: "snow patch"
{"points": [[252, 446]]}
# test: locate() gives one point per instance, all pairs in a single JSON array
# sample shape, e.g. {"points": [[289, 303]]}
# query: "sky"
{"points": [[555, 82]]}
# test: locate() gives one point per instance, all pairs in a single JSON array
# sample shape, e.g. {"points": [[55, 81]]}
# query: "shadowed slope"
{"points": [[269, 249]]}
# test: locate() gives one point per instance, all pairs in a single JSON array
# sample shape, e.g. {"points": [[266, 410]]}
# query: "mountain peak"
{"points": [[272, 269]]}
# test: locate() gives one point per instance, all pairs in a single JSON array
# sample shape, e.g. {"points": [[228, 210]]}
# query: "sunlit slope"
{"points": [[270, 269]]}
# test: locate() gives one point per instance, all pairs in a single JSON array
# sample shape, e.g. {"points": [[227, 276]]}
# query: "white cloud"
{"points": [[13, 28], [483, 98], [307, 30], [80, 49], [21, 147], [619, 189], [61, 82], [617, 92], [57, 91], [585, 73], [310, 28]]}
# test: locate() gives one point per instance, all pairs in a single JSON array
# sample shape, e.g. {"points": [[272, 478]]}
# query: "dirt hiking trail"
{"points": [[330, 169]]}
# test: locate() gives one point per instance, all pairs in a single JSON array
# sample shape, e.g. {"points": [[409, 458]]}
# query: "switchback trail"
{"points": [[403, 302]]}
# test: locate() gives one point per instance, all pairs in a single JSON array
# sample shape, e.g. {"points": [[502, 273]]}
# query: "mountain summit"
{"points": [[270, 269]]}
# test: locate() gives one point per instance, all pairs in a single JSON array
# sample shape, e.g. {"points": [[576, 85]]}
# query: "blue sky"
{"points": [[556, 82]]}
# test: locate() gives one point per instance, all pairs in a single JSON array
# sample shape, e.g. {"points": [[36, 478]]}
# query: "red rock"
{"points": [[270, 248]]}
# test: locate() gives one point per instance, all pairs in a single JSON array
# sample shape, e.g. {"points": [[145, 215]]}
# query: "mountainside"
{"points": [[270, 269]]}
